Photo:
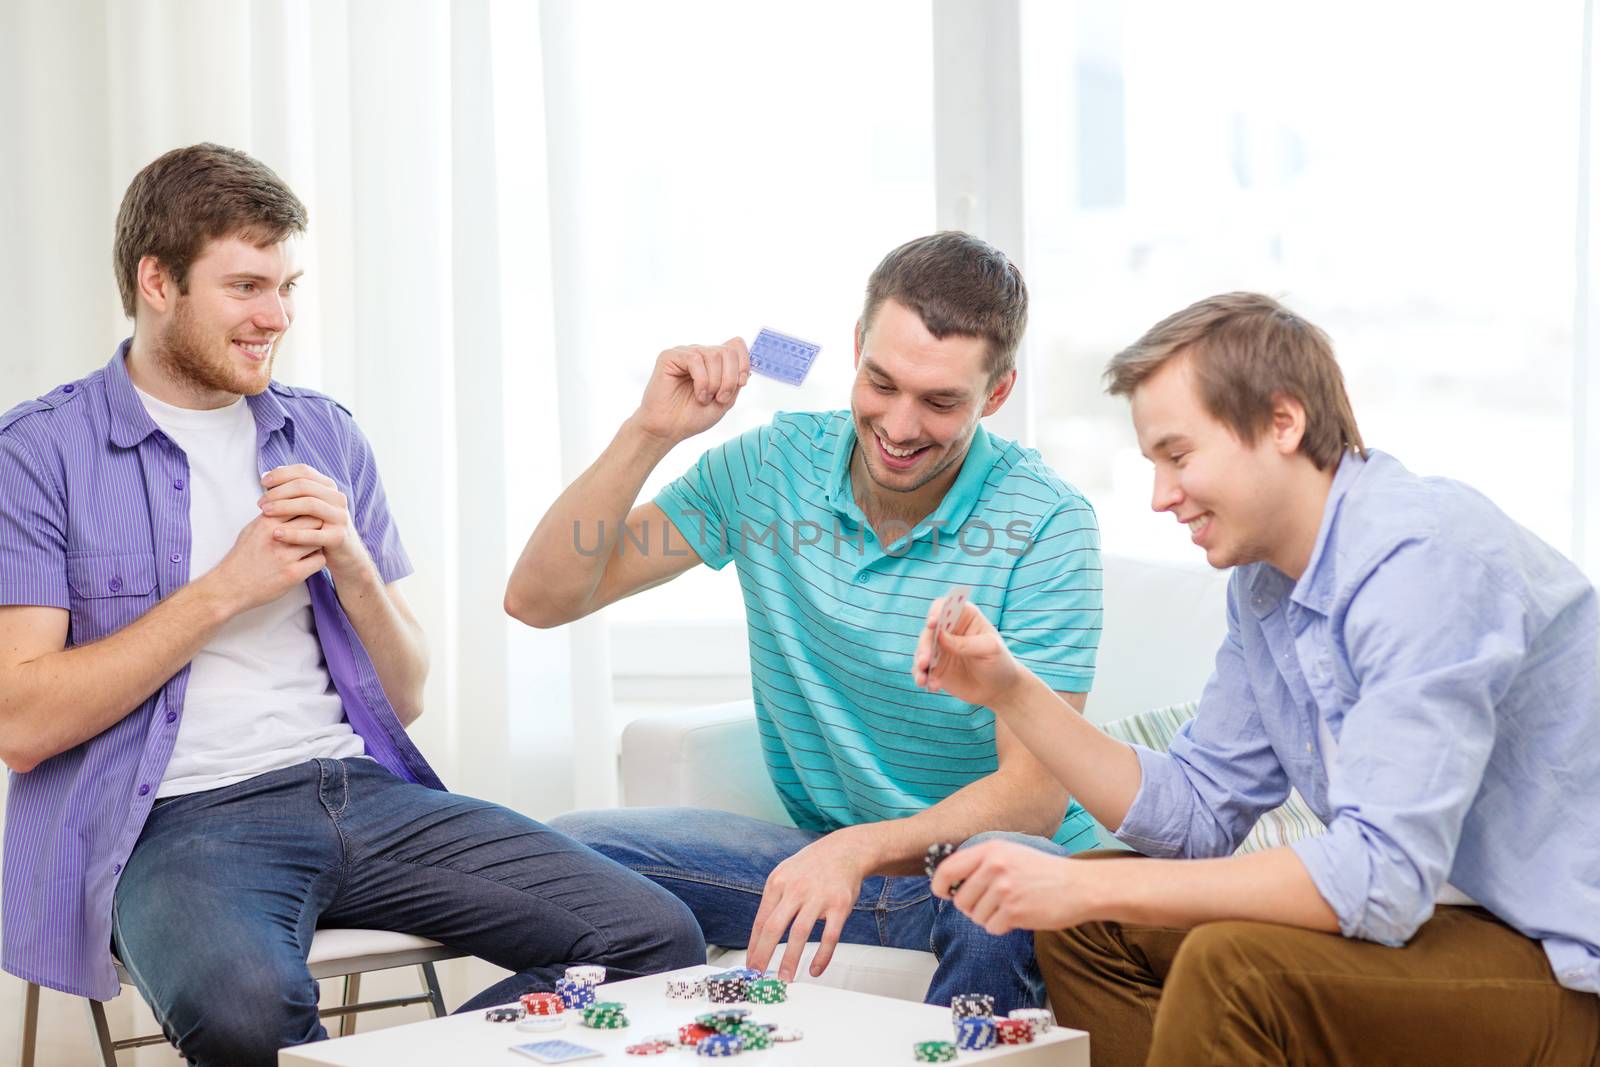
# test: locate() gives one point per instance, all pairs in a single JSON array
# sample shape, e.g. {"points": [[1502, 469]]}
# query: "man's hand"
{"points": [[974, 663], [1004, 886], [261, 567], [298, 491], [821, 881], [691, 388]]}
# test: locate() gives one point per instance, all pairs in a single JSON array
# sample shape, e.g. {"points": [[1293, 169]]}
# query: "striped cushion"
{"points": [[1292, 821]]}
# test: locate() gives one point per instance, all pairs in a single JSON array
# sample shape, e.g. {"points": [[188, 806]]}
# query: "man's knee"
{"points": [[659, 931], [1015, 837], [245, 1018], [1218, 956]]}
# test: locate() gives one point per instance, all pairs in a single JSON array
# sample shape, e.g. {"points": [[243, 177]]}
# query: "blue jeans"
{"points": [[718, 863], [215, 910]]}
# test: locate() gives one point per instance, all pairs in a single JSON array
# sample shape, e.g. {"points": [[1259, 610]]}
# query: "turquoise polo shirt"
{"points": [[834, 616]]}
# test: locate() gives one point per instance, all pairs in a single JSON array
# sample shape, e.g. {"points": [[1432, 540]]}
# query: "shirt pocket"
{"points": [[109, 592]]}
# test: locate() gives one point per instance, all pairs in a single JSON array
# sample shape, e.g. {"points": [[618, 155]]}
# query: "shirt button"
{"points": [[144, 790], [68, 388], [177, 483], [176, 557], [116, 868], [862, 578], [115, 585], [172, 716]]}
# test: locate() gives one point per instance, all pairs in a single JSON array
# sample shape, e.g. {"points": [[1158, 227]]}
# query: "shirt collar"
{"points": [[958, 501], [1314, 589], [131, 422]]}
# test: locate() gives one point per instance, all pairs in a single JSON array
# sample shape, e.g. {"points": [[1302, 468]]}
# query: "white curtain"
{"points": [[414, 131]]}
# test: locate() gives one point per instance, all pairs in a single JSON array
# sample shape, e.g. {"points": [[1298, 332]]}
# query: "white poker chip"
{"points": [[786, 1033], [1039, 1020], [541, 1022], [587, 974]]}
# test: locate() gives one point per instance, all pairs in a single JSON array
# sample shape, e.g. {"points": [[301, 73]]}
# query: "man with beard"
{"points": [[207, 667], [844, 526]]}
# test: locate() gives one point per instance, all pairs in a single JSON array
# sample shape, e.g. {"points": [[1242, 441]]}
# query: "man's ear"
{"points": [[861, 335], [155, 286], [1288, 424], [999, 392]]}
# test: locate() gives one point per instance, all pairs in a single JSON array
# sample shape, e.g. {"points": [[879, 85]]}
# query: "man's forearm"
{"points": [[1271, 886], [553, 578], [396, 644], [1005, 800], [1102, 773], [59, 700]]}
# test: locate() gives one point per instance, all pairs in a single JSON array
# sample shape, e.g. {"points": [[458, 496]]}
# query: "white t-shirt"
{"points": [[259, 695]]}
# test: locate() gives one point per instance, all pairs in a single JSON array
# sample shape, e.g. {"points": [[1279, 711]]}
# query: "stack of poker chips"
{"points": [[686, 989], [542, 1004], [694, 1033], [753, 1037], [720, 1045], [767, 991], [1013, 1031], [1039, 1020], [933, 1052], [729, 987], [975, 1032], [724, 1021], [606, 1015], [503, 1015], [574, 995], [589, 974], [966, 1005]]}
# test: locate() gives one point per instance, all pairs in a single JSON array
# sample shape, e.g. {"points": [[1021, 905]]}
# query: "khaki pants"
{"points": [[1466, 990]]}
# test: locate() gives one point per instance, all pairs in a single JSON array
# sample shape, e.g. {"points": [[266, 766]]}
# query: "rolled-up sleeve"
{"points": [[369, 507], [1202, 797], [1435, 641]]}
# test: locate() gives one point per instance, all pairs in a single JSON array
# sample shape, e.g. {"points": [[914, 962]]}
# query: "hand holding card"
{"points": [[954, 601]]}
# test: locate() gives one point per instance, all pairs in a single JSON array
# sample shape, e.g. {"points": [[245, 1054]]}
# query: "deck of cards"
{"points": [[778, 355], [954, 601]]}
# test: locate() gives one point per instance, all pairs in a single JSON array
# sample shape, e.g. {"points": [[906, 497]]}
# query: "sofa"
{"points": [[1162, 625]]}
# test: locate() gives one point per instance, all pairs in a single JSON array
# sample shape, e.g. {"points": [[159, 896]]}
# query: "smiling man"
{"points": [[207, 667], [844, 526], [1421, 668]]}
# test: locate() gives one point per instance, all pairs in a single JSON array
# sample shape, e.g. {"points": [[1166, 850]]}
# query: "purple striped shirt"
{"points": [[95, 520]]}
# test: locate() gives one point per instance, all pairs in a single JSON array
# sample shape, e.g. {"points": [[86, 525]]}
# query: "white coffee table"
{"points": [[842, 1029]]}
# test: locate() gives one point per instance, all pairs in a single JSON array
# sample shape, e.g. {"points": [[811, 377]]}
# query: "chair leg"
{"points": [[102, 1033], [431, 979], [352, 995], [30, 1025]]}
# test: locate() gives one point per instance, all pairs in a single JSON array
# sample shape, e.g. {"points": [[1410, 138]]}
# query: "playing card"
{"points": [[777, 355], [954, 601], [556, 1051]]}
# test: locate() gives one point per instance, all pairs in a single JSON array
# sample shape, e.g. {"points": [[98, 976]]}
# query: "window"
{"points": [[1405, 177]]}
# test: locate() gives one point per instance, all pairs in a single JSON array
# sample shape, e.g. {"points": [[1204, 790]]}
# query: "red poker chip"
{"points": [[694, 1033], [648, 1048], [1013, 1031], [542, 1004]]}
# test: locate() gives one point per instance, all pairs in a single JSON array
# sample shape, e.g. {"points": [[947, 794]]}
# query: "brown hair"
{"points": [[1247, 350], [958, 285], [194, 195]]}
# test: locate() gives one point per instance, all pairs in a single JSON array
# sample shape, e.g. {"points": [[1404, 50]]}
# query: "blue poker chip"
{"points": [[975, 1032], [720, 1045]]}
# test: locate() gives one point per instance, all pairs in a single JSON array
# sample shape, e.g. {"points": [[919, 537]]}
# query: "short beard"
{"points": [[864, 437], [184, 355]]}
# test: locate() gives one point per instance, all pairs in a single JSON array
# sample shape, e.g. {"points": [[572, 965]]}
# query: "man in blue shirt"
{"points": [[844, 526], [1418, 666]]}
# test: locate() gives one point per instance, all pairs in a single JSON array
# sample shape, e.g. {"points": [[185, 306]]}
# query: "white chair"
{"points": [[1162, 625], [334, 953]]}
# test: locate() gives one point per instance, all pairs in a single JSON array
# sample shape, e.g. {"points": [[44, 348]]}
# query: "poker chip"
{"points": [[785, 1034], [606, 1015], [694, 1033], [503, 1015], [975, 1032], [963, 1005], [723, 1021], [542, 1004], [574, 994], [686, 988], [649, 1048], [752, 1038], [586, 974], [937, 854], [727, 988], [1039, 1020], [933, 1052], [720, 1045], [541, 1022], [1013, 1031], [767, 991]]}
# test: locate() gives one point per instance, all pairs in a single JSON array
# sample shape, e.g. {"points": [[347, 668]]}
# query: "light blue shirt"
{"points": [[1452, 656], [835, 615]]}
